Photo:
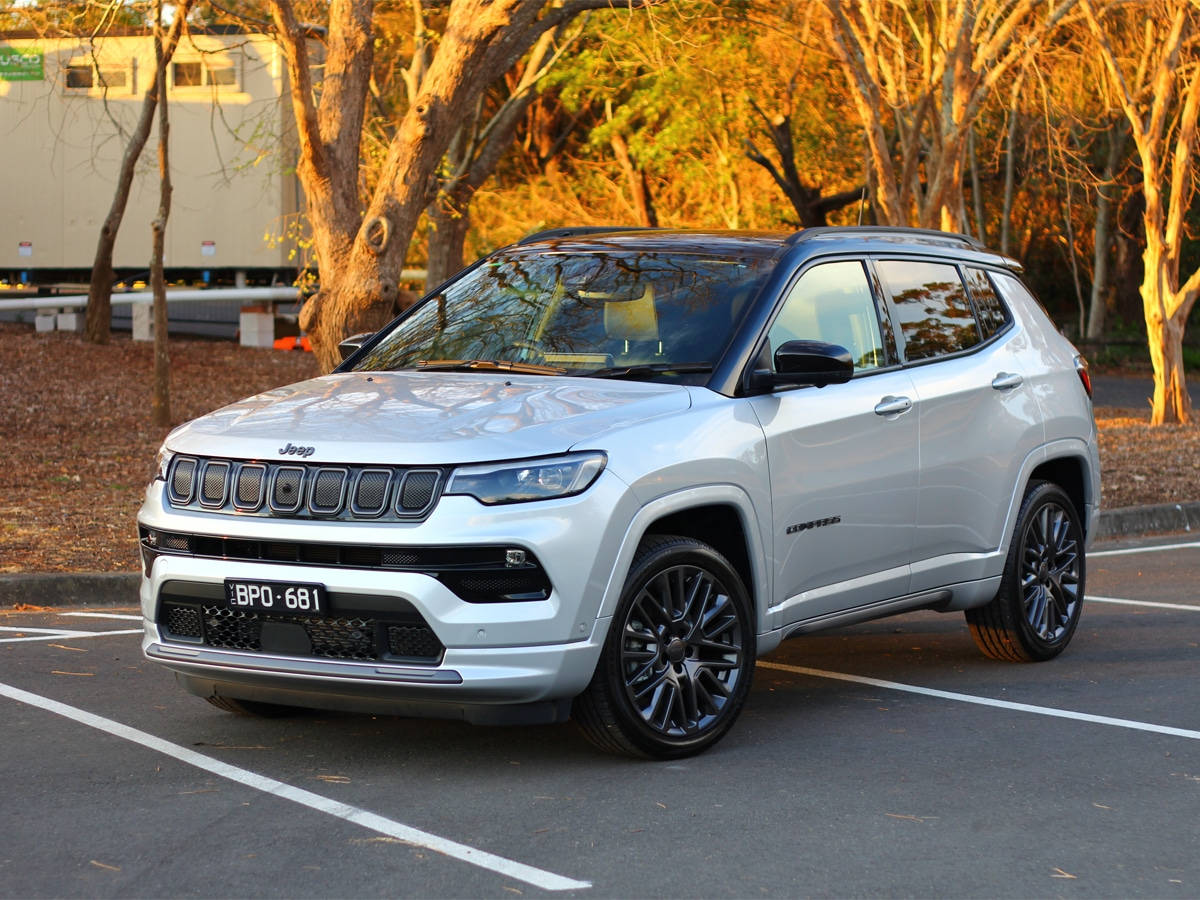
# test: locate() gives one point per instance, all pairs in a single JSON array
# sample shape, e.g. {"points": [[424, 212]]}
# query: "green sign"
{"points": [[17, 64]]}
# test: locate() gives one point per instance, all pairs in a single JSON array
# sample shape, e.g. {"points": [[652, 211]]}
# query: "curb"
{"points": [[107, 589], [87, 589], [1133, 521]]}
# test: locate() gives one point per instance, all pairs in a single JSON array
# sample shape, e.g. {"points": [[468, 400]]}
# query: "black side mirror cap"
{"points": [[813, 363], [352, 344]]}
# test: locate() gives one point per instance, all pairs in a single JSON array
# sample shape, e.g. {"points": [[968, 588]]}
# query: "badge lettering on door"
{"points": [[815, 523]]}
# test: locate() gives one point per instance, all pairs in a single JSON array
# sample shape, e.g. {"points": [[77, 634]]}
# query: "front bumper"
{"points": [[502, 661]]}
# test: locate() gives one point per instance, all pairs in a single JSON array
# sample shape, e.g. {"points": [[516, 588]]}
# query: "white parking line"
{"points": [[537, 877], [91, 615], [56, 634], [1090, 599], [986, 701], [1159, 548]]}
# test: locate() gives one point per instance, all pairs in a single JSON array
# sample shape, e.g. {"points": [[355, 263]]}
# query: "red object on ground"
{"points": [[293, 343]]}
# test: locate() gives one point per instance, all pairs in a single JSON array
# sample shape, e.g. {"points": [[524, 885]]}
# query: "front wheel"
{"points": [[1037, 608], [679, 656]]}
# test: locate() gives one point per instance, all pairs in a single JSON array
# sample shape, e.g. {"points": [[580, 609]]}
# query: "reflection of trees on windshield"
{"points": [[581, 310], [932, 308]]}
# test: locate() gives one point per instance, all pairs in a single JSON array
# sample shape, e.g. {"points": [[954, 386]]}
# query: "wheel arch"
{"points": [[721, 516]]}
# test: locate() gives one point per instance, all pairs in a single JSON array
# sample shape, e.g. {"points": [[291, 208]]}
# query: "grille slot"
{"points": [[418, 490], [183, 481], [287, 489], [371, 492], [251, 480], [327, 492], [214, 483]]}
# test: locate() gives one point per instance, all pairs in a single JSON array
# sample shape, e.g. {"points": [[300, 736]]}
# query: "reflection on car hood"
{"points": [[424, 418]]}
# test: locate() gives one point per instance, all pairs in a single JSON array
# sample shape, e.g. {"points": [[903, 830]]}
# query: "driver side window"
{"points": [[832, 302]]}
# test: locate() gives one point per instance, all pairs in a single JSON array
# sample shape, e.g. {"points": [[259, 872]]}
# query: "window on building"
{"points": [[214, 71], [79, 76]]}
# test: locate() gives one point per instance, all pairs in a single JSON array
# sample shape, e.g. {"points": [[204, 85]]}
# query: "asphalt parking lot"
{"points": [[888, 759]]}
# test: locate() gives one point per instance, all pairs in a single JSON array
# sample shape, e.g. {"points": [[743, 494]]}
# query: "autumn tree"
{"points": [[99, 307], [1157, 84], [361, 252], [919, 75]]}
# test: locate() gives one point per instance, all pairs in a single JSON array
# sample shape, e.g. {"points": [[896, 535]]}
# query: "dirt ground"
{"points": [[79, 449]]}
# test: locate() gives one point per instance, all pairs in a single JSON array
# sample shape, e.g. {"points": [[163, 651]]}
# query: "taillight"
{"points": [[1081, 369]]}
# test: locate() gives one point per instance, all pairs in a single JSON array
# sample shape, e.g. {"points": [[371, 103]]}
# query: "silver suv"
{"points": [[598, 473]]}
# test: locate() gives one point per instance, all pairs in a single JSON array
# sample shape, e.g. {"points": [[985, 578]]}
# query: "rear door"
{"points": [[843, 458], [979, 418]]}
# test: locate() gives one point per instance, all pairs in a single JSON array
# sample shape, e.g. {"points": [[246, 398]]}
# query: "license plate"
{"points": [[281, 597]]}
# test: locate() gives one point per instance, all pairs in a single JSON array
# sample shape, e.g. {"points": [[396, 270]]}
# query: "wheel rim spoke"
{"points": [[681, 651], [1050, 573]]}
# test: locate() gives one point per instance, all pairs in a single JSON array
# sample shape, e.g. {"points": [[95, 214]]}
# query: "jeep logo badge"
{"points": [[293, 450]]}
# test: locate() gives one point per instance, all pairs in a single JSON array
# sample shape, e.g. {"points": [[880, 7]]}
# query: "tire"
{"points": [[677, 663], [1037, 608], [253, 707]]}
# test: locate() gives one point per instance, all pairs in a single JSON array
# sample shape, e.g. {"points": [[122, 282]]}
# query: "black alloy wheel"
{"points": [[678, 661], [1037, 608]]}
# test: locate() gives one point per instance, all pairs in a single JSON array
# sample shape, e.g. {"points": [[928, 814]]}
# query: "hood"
{"points": [[424, 418]]}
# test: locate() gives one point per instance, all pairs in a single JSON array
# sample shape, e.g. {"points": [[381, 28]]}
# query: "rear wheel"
{"points": [[679, 656], [1037, 608]]}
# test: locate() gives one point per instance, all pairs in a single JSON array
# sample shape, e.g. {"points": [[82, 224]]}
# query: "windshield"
{"points": [[620, 313]]}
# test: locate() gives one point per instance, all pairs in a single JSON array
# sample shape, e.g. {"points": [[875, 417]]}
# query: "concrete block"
{"points": [[257, 328], [71, 321], [45, 320], [143, 321]]}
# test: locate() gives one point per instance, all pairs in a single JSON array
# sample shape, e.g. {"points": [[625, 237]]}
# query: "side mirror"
{"points": [[351, 345], [811, 363]]}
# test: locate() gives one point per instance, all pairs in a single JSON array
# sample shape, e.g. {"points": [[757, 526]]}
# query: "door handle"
{"points": [[1006, 381], [892, 406]]}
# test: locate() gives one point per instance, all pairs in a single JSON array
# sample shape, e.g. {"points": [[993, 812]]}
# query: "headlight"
{"points": [[162, 462], [529, 479]]}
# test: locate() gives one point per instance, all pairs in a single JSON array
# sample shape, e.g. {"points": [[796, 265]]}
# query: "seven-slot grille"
{"points": [[302, 490]]}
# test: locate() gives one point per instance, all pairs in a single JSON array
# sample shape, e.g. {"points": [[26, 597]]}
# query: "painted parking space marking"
{"points": [[96, 615], [55, 634], [1090, 599], [1158, 548], [508, 868], [986, 701]]}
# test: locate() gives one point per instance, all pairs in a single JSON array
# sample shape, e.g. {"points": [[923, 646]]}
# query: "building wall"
{"points": [[232, 153]]}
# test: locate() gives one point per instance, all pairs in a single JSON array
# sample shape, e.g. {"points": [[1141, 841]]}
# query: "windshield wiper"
{"points": [[640, 370], [489, 365]]}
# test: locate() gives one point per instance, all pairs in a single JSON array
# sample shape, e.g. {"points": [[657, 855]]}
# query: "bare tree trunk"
{"points": [[98, 320], [639, 187], [160, 405], [451, 221], [1164, 332], [1106, 197]]}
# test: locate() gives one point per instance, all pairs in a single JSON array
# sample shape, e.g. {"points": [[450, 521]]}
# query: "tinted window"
{"points": [[833, 303], [989, 308], [79, 76], [188, 74], [581, 311], [931, 307]]}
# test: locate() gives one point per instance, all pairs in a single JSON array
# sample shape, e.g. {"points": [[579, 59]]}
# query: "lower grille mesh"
{"points": [[353, 638]]}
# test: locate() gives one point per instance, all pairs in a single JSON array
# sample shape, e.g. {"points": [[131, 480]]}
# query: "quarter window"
{"points": [[931, 306], [989, 308], [832, 302]]}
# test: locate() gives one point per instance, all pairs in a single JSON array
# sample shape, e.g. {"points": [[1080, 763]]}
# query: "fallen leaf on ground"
{"points": [[100, 865], [334, 779], [1061, 874], [65, 647], [80, 674]]}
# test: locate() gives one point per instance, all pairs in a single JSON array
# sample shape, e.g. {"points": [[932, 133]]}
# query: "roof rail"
{"points": [[929, 234], [551, 234]]}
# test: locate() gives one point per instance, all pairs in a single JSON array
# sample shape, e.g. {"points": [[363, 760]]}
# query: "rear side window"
{"points": [[931, 307], [989, 308]]}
